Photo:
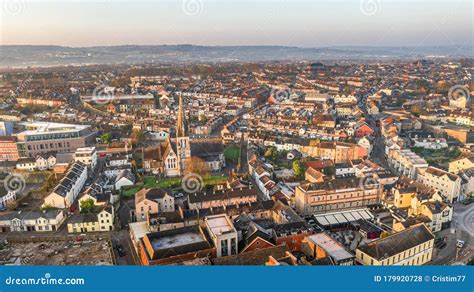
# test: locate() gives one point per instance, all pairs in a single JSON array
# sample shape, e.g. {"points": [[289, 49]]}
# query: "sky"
{"points": [[302, 23]]}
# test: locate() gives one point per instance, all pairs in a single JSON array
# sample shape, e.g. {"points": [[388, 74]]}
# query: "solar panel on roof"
{"points": [[349, 216], [365, 215], [322, 220], [356, 215], [331, 219], [340, 218]]}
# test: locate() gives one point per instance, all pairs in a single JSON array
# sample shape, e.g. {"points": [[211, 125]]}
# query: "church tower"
{"points": [[183, 147]]}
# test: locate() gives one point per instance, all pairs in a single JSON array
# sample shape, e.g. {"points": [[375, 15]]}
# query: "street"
{"points": [[462, 228], [123, 239]]}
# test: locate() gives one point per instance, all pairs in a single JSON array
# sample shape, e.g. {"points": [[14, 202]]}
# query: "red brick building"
{"points": [[8, 149], [363, 130], [292, 234]]}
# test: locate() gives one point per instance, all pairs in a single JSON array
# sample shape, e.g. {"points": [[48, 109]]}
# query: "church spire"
{"points": [[181, 127]]}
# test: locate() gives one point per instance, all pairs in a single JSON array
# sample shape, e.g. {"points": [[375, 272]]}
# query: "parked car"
{"points": [[439, 242], [467, 201], [120, 250]]}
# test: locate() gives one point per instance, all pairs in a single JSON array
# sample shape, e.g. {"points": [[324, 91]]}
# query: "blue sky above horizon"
{"points": [[301, 23]]}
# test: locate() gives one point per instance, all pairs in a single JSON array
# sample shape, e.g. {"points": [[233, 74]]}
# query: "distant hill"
{"points": [[22, 56]]}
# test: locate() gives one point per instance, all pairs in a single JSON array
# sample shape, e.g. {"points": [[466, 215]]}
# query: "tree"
{"points": [[87, 206], [197, 165], [298, 169], [47, 207], [274, 155], [12, 205], [347, 89], [232, 153], [105, 138], [416, 108], [137, 136], [203, 119], [269, 152], [422, 86], [329, 170]]}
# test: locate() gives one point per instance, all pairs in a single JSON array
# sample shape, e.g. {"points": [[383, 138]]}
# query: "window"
{"points": [[224, 248], [233, 246]]}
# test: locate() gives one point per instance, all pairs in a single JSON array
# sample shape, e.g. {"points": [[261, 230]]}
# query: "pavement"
{"points": [[122, 237], [462, 228]]}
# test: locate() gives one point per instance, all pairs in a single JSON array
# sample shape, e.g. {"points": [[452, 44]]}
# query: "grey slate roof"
{"points": [[398, 242]]}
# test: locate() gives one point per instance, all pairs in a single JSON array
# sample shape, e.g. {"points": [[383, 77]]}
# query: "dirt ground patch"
{"points": [[59, 253]]}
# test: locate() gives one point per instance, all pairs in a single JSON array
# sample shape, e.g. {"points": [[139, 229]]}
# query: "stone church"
{"points": [[173, 157]]}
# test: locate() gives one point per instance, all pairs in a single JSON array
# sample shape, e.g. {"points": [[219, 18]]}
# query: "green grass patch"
{"points": [[168, 183], [130, 191], [212, 180], [150, 182], [438, 158]]}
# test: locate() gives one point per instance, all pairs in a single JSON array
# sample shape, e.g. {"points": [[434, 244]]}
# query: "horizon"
{"points": [[217, 45], [302, 23]]}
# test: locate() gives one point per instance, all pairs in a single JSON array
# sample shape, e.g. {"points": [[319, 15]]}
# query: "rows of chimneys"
{"points": [[231, 189]]}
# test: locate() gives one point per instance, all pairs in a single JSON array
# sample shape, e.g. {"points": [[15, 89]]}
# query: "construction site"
{"points": [[56, 251]]}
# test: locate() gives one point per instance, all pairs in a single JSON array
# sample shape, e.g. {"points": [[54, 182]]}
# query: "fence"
{"points": [[55, 238]]}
